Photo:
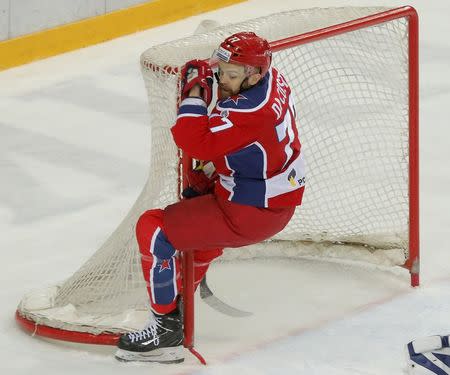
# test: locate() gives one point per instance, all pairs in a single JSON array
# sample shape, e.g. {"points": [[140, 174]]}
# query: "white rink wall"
{"points": [[20, 17]]}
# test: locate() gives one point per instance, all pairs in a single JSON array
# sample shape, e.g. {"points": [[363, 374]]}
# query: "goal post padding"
{"points": [[354, 75]]}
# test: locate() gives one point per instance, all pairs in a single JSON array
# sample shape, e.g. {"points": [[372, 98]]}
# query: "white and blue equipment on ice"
{"points": [[429, 355]]}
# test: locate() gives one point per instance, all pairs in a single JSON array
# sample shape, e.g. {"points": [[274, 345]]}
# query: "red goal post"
{"points": [[412, 263], [90, 306]]}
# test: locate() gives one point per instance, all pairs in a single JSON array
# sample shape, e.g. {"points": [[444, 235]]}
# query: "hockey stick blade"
{"points": [[210, 299]]}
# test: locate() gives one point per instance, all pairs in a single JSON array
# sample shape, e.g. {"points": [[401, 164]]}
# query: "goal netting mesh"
{"points": [[351, 95]]}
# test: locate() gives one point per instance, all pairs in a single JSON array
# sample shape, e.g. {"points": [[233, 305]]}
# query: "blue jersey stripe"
{"points": [[248, 162], [193, 109], [251, 99]]}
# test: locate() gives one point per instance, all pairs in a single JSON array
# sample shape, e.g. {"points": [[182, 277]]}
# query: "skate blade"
{"points": [[163, 355]]}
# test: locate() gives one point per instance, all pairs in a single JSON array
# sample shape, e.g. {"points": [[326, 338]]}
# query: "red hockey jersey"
{"points": [[252, 140]]}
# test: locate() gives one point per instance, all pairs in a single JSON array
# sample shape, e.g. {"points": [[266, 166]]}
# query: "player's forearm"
{"points": [[191, 127], [189, 136]]}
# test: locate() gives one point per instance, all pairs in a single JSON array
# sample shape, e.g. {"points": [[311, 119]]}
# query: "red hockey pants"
{"points": [[205, 225]]}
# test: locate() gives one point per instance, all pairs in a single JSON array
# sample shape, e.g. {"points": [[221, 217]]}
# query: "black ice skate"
{"points": [[161, 341]]}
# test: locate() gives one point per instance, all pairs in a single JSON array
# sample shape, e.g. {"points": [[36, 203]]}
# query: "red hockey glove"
{"points": [[199, 182], [197, 72]]}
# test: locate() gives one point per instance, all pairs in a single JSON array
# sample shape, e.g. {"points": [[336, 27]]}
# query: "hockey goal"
{"points": [[354, 74]]}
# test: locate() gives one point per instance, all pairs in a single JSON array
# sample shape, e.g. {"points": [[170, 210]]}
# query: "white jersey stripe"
{"points": [[152, 250], [174, 280], [228, 181], [189, 115], [281, 130], [281, 184], [288, 148], [193, 101], [260, 146]]}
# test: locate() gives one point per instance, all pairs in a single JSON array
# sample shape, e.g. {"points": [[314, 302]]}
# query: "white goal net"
{"points": [[352, 98]]}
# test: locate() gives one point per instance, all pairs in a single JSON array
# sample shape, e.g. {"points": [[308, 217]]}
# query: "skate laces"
{"points": [[149, 332]]}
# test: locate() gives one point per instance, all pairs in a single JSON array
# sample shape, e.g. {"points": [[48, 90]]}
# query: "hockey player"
{"points": [[251, 138]]}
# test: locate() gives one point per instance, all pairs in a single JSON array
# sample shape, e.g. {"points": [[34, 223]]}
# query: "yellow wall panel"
{"points": [[98, 29]]}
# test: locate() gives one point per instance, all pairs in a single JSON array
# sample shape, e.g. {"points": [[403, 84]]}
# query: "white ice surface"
{"points": [[74, 145]]}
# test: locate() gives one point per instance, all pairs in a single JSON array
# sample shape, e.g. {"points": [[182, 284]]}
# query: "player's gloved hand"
{"points": [[199, 182], [197, 72]]}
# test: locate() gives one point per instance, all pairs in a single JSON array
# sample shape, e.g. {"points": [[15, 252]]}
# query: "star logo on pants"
{"points": [[165, 265]]}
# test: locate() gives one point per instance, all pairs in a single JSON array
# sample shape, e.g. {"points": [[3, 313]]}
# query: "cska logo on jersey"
{"points": [[235, 99]]}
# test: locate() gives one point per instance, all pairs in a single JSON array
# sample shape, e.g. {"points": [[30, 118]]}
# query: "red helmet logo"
{"points": [[246, 48]]}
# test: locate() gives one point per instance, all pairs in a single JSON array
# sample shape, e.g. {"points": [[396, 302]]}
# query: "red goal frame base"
{"points": [[61, 334], [79, 337]]}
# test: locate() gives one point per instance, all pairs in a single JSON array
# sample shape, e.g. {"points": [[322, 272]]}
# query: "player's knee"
{"points": [[148, 222], [150, 218]]}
